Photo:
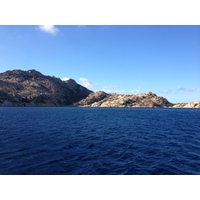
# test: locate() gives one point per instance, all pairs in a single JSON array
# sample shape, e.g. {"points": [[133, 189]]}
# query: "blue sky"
{"points": [[121, 59]]}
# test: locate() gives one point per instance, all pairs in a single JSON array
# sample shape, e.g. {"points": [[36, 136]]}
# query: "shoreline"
{"points": [[72, 106]]}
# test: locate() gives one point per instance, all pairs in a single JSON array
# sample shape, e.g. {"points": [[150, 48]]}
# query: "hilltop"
{"points": [[102, 99], [31, 88]]}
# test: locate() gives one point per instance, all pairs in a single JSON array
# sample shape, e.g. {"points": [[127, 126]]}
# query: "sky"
{"points": [[122, 59], [132, 59]]}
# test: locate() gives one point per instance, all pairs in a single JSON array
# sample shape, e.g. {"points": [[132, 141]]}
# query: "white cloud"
{"points": [[187, 89], [110, 89], [65, 79], [86, 83], [50, 29], [137, 90]]}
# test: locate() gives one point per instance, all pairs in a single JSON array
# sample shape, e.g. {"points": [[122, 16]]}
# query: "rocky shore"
{"points": [[194, 104], [31, 88], [102, 99]]}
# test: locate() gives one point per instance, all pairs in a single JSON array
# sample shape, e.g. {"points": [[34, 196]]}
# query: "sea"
{"points": [[99, 141]]}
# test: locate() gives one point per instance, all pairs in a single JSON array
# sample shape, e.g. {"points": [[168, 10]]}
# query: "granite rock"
{"points": [[102, 99], [194, 104]]}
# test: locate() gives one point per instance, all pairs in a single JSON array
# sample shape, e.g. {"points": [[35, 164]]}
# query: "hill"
{"points": [[31, 88], [102, 99]]}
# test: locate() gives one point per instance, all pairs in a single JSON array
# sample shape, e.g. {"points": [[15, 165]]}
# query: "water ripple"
{"points": [[99, 141]]}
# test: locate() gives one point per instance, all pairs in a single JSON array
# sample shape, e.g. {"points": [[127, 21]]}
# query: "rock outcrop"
{"points": [[194, 104], [31, 88], [102, 99]]}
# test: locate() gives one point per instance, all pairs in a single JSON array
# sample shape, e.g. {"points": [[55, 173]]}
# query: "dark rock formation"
{"points": [[31, 88], [101, 99]]}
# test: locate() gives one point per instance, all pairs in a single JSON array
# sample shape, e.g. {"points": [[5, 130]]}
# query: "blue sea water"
{"points": [[73, 140]]}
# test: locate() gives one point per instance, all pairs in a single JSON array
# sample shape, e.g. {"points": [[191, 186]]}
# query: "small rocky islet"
{"points": [[32, 88]]}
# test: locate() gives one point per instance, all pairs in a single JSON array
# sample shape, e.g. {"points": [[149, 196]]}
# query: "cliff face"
{"points": [[101, 99], [31, 88]]}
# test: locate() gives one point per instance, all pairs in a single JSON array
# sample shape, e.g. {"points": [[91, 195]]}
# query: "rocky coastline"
{"points": [[194, 104], [146, 100], [31, 88]]}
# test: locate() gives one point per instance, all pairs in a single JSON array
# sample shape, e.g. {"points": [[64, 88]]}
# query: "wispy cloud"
{"points": [[187, 89], [110, 89], [116, 89], [86, 83], [50, 29], [136, 91]]}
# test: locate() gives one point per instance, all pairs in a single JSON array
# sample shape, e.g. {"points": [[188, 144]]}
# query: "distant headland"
{"points": [[31, 88]]}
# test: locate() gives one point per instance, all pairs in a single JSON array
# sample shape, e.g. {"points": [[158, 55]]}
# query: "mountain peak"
{"points": [[34, 72], [31, 88], [72, 84]]}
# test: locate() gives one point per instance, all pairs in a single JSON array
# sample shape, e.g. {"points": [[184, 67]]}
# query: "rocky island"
{"points": [[102, 99], [31, 88], [194, 104]]}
